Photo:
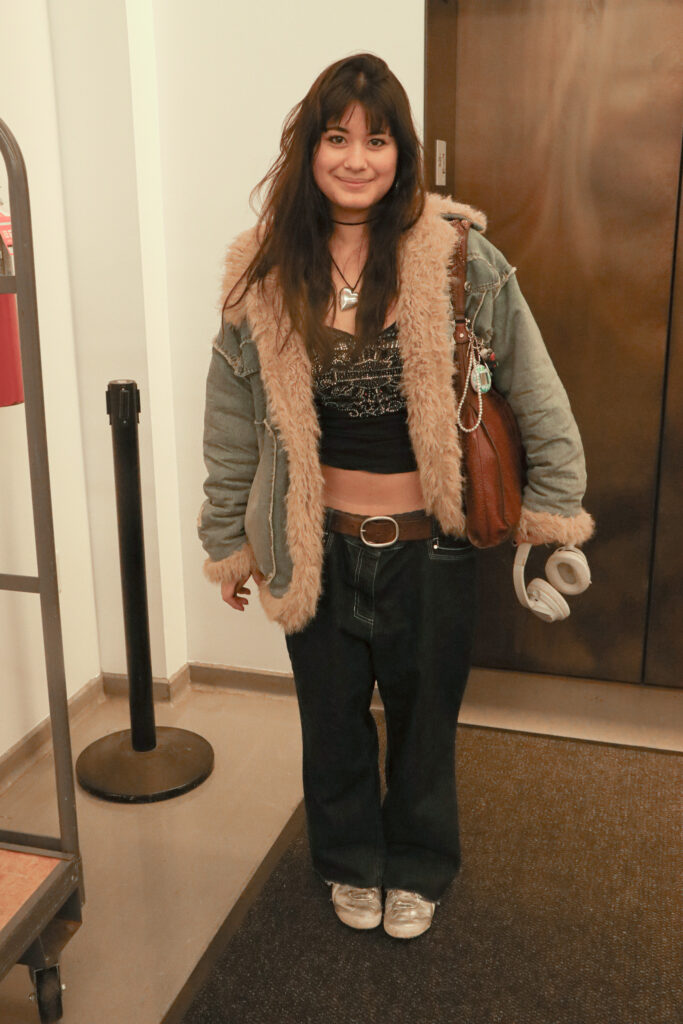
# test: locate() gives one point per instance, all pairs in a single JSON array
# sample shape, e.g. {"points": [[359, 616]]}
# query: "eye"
{"points": [[331, 138], [381, 143]]}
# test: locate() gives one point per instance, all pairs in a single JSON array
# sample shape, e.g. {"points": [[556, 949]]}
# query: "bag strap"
{"points": [[458, 276], [461, 337]]}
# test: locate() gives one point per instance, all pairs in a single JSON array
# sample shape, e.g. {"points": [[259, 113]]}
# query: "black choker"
{"points": [[351, 222]]}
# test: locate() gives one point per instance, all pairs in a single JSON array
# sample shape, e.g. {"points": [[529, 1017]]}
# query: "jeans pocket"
{"points": [[443, 547]]}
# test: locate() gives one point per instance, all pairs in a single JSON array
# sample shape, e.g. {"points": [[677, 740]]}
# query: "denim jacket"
{"points": [[264, 505]]}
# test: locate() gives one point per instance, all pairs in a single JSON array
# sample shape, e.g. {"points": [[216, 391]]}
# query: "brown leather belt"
{"points": [[382, 531]]}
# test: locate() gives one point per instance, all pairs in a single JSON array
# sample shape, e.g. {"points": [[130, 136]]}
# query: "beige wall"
{"points": [[103, 226], [31, 116], [27, 105], [144, 129]]}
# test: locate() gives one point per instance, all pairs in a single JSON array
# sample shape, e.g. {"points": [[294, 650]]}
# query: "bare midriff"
{"points": [[355, 490]]}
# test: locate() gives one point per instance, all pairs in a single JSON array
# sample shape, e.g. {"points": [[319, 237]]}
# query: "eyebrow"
{"points": [[338, 128]]}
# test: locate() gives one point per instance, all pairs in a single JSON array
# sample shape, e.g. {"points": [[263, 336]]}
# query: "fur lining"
{"points": [[242, 249], [239, 564], [237, 258], [444, 204], [549, 528], [422, 315], [281, 610], [287, 380]]}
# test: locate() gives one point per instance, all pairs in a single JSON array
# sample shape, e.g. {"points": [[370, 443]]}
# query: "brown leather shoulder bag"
{"points": [[493, 458]]}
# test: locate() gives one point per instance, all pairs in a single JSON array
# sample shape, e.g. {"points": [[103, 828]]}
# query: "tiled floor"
{"points": [[160, 878], [620, 713]]}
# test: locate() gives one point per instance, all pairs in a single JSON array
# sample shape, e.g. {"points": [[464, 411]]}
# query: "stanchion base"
{"points": [[111, 769]]}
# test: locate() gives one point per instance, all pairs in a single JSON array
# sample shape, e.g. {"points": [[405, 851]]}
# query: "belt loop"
{"points": [[435, 527], [328, 518]]}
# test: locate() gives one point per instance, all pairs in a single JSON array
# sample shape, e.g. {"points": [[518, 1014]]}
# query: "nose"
{"points": [[355, 157]]}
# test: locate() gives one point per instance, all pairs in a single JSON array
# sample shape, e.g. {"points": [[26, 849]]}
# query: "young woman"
{"points": [[334, 474]]}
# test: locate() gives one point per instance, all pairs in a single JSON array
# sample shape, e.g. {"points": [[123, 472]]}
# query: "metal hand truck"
{"points": [[41, 877]]}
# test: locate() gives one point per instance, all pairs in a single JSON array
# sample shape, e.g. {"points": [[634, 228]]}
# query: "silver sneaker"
{"points": [[407, 914], [359, 908]]}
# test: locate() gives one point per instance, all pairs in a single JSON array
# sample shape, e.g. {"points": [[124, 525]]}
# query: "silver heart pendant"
{"points": [[347, 298]]}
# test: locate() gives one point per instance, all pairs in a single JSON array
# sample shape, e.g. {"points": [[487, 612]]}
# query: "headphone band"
{"points": [[568, 573]]}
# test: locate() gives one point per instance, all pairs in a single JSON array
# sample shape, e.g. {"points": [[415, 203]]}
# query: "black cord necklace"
{"points": [[368, 221], [348, 297]]}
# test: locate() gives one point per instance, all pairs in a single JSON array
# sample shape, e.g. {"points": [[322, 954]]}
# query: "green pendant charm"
{"points": [[480, 379]]}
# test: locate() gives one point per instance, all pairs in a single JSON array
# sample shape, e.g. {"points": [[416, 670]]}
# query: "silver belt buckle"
{"points": [[382, 543]]}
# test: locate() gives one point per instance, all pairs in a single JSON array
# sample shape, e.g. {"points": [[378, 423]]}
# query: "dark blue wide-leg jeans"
{"points": [[404, 616]]}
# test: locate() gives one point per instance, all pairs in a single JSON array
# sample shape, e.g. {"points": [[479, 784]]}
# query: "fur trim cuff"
{"points": [[295, 609], [548, 528], [238, 565]]}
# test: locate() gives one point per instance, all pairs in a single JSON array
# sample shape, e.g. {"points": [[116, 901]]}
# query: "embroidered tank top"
{"points": [[361, 409]]}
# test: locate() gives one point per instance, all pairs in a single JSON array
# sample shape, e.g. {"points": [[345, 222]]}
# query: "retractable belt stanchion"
{"points": [[143, 763]]}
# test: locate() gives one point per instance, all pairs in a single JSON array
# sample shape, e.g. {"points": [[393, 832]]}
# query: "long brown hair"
{"points": [[295, 223]]}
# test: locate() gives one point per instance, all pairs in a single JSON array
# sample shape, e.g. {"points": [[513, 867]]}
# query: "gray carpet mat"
{"points": [[566, 910]]}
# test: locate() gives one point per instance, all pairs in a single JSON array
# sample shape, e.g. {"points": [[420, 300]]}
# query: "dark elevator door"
{"points": [[563, 124]]}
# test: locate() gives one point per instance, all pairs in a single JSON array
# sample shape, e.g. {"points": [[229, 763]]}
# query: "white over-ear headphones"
{"points": [[568, 573]]}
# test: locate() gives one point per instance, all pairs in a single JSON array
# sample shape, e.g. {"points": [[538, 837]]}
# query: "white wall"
{"points": [[145, 126], [228, 76], [27, 106], [93, 94]]}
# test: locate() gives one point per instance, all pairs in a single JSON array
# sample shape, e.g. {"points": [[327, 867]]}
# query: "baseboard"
{"points": [[115, 684], [250, 680], [38, 742]]}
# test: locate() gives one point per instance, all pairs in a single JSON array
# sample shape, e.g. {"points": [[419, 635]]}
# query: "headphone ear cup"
{"points": [[568, 570], [546, 602]]}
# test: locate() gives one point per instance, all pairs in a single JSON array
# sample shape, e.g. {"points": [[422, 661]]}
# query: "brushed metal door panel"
{"points": [[567, 134], [664, 647]]}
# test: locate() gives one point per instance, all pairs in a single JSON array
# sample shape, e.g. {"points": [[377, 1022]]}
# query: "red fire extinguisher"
{"points": [[11, 383]]}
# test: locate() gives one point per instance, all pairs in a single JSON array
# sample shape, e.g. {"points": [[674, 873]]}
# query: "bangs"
{"points": [[377, 110]]}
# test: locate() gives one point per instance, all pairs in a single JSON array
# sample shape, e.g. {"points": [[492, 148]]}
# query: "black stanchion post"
{"points": [[123, 407], [143, 763]]}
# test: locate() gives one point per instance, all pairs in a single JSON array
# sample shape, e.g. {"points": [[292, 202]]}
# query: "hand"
{"points": [[230, 591]]}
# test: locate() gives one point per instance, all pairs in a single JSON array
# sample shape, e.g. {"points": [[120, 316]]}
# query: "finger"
{"points": [[229, 589]]}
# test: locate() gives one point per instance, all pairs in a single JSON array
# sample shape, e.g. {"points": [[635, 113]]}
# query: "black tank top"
{"points": [[361, 408]]}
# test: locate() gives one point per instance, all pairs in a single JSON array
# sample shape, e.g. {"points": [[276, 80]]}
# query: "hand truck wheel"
{"points": [[48, 993]]}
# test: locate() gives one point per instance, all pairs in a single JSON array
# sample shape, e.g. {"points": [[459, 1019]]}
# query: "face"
{"points": [[352, 167]]}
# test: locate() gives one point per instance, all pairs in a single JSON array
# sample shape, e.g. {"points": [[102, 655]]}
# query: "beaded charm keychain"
{"points": [[478, 374]]}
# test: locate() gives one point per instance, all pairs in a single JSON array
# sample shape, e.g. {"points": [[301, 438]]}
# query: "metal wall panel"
{"points": [[664, 647], [567, 134]]}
